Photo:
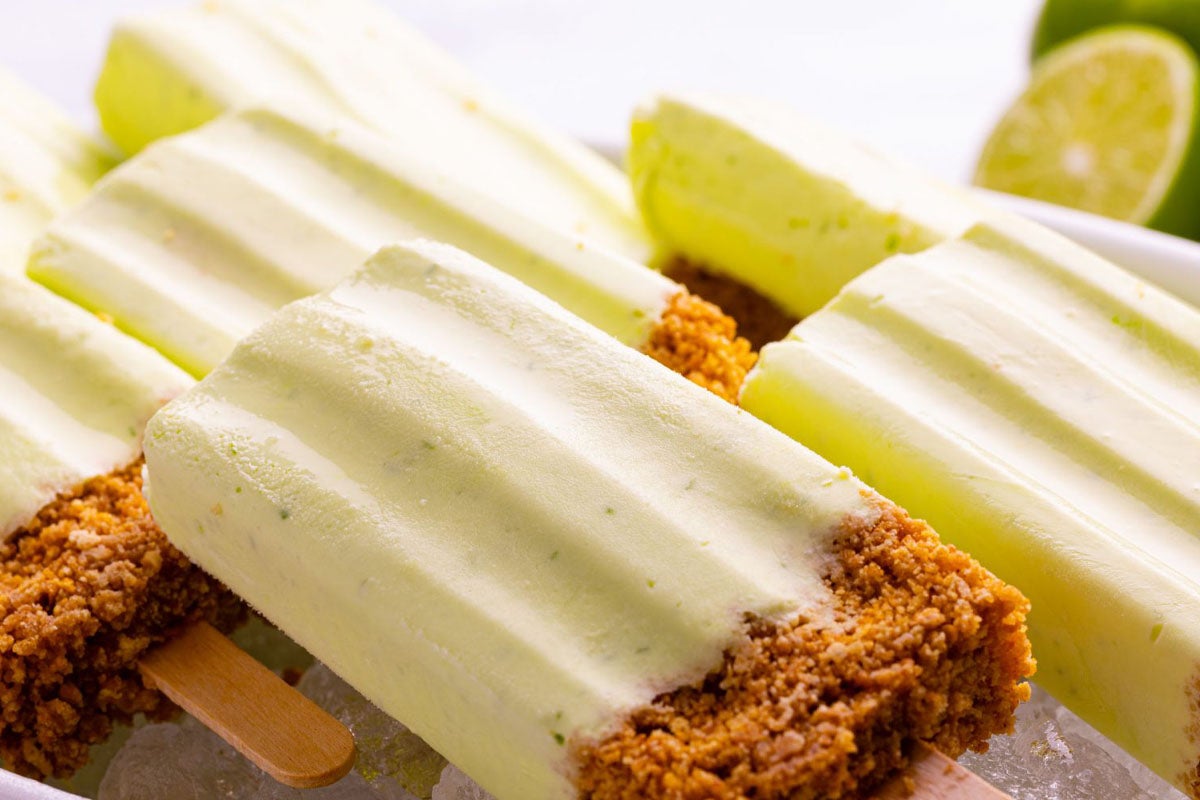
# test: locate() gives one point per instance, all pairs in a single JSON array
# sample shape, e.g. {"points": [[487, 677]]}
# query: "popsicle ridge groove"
{"points": [[993, 364], [369, 192], [241, 248], [1146, 336], [299, 37], [1148, 329]]}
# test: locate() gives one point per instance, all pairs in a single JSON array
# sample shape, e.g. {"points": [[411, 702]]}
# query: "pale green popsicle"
{"points": [[192, 243], [46, 165], [76, 396], [499, 524], [777, 201], [1041, 408], [76, 393], [172, 69]]}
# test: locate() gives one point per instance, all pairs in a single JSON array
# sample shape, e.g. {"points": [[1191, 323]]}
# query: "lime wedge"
{"points": [[1108, 125]]}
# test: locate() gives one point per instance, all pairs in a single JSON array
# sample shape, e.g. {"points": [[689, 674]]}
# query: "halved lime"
{"points": [[1108, 125]]}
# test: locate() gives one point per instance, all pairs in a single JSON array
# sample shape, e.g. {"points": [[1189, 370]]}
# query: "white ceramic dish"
{"points": [[14, 787], [1168, 261]]}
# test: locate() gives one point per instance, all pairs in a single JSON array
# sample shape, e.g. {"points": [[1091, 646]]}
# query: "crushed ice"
{"points": [[1052, 756], [455, 785], [184, 761]]}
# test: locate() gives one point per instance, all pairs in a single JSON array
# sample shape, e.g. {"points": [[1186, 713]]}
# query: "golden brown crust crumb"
{"points": [[88, 586], [700, 342], [759, 320], [1190, 781], [926, 645]]}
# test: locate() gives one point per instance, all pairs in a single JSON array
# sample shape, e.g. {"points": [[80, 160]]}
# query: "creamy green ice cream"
{"points": [[776, 201]]}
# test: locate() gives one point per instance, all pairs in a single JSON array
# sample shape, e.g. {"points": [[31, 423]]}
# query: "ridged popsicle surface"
{"points": [[195, 241], [173, 69]]}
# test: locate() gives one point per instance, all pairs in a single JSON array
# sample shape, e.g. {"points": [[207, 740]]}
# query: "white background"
{"points": [[924, 79]]}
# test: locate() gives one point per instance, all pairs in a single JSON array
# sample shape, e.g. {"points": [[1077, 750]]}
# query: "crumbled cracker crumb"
{"points": [[1190, 780], [88, 586], [696, 339], [925, 646]]}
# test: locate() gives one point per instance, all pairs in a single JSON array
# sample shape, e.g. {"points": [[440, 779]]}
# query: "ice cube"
{"points": [[389, 754], [455, 785], [1054, 755], [352, 787], [182, 761]]}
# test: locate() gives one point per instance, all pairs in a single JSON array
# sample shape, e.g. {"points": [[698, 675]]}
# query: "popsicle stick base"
{"points": [[934, 776], [283, 732]]}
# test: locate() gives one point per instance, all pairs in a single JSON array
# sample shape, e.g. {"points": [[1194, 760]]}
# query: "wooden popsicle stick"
{"points": [[935, 776], [283, 732]]}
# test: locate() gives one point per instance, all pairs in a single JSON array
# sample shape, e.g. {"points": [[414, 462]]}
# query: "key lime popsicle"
{"points": [[88, 583], [776, 201], [1041, 408], [192, 243], [46, 165], [170, 70], [545, 552]]}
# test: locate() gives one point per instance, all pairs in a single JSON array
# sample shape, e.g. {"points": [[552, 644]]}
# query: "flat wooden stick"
{"points": [[287, 735], [934, 776]]}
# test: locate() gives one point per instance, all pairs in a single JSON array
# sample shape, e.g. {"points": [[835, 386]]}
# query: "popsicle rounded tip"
{"points": [[332, 757]]}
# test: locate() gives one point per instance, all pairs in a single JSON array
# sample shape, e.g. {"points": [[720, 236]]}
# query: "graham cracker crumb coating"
{"points": [[1190, 780], [700, 342], [759, 319], [88, 586], [926, 645]]}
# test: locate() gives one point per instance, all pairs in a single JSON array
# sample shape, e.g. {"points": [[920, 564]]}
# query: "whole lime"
{"points": [[1063, 19]]}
